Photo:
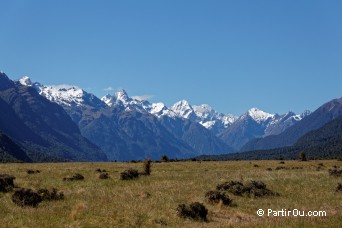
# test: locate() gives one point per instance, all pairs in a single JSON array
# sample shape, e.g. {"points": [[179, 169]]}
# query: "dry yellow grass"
{"points": [[151, 201]]}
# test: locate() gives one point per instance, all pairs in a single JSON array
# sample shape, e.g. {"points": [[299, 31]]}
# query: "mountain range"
{"points": [[179, 131], [40, 127], [67, 123], [322, 143], [126, 128], [324, 114]]}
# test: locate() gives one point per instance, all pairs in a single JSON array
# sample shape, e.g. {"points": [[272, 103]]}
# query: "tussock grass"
{"points": [[152, 201]]}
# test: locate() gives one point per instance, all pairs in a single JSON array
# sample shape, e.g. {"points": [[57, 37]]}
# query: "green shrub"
{"points": [[217, 197], [6, 182], [336, 172], [196, 211], [251, 189], [50, 195], [104, 176], [31, 171], [76, 177], [129, 174], [147, 167], [26, 197], [302, 156], [164, 158]]}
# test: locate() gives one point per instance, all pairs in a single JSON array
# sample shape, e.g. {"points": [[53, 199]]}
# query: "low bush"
{"points": [[302, 156], [257, 189], [76, 177], [26, 197], [269, 169], [6, 182], [251, 189], [147, 167], [129, 174], [104, 176], [217, 197], [234, 187], [31, 171], [196, 211], [336, 172], [297, 167], [45, 194], [339, 187], [164, 158]]}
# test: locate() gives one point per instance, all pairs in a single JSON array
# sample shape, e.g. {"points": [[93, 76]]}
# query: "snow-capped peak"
{"points": [[25, 81], [204, 111], [182, 104], [157, 107], [258, 115], [204, 115], [122, 95], [107, 99], [183, 109], [63, 94]]}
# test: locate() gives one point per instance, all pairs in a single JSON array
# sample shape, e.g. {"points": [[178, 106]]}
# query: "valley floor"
{"points": [[151, 201]]}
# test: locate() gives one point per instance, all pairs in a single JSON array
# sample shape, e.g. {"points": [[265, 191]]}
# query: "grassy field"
{"points": [[151, 201]]}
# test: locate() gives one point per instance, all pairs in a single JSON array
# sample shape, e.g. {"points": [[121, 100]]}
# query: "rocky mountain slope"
{"points": [[324, 114], [42, 128]]}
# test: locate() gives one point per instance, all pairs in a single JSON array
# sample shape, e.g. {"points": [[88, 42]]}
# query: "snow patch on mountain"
{"points": [[107, 100], [203, 114], [65, 95], [121, 98], [25, 81], [183, 109], [258, 115]]}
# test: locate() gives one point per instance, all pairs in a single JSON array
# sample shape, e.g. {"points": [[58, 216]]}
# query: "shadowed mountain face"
{"points": [[315, 120], [133, 134], [127, 135], [257, 124], [41, 127], [10, 151], [197, 136], [322, 143]]}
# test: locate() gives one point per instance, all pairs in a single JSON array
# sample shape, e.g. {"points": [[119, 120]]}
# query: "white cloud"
{"points": [[109, 88], [142, 97]]}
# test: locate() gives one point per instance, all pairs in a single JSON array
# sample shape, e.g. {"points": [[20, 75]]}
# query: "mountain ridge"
{"points": [[227, 132], [110, 125], [45, 129], [324, 114]]}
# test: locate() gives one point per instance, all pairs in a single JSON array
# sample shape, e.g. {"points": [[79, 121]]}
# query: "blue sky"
{"points": [[233, 55]]}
